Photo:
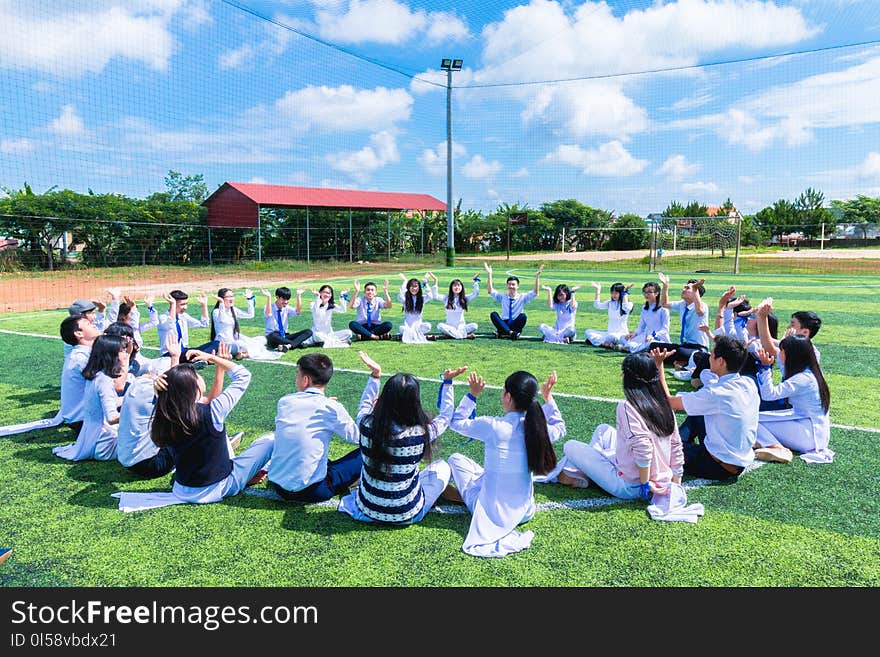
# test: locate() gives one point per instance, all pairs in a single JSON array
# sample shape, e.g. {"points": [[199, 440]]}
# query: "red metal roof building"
{"points": [[238, 204]]}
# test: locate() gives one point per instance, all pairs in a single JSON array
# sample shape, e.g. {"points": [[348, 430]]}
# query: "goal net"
{"points": [[695, 244]]}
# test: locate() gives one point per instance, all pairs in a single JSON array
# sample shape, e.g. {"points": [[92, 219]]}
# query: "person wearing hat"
{"points": [[78, 333], [92, 311]]}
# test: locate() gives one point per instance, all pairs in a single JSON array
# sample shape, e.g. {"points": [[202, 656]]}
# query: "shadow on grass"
{"points": [[36, 397]]}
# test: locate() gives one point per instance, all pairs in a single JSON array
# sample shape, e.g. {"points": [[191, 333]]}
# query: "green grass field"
{"points": [[780, 525]]}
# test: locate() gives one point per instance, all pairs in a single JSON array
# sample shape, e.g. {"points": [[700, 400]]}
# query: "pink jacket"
{"points": [[638, 446]]}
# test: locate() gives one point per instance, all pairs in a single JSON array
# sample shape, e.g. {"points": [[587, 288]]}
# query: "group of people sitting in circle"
{"points": [[157, 416]]}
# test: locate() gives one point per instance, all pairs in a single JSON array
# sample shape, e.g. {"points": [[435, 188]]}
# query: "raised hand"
{"points": [[765, 358], [300, 291], [129, 301], [547, 387], [735, 302], [114, 293], [375, 368], [727, 295], [596, 285], [451, 373], [224, 350], [161, 383], [546, 287], [663, 278], [660, 356], [202, 299], [540, 268], [248, 292], [265, 292], [476, 384], [357, 286], [99, 305], [629, 286], [487, 267], [402, 275], [172, 346], [149, 301], [385, 285]]}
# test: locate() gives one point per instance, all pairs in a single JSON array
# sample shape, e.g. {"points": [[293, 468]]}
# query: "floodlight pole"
{"points": [[449, 65]]}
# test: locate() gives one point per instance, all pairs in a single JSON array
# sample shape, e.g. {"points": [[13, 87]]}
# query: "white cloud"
{"points": [[434, 161], [790, 114], [257, 180], [677, 168], [691, 102], [196, 14], [541, 40], [346, 108], [237, 58], [387, 21], [708, 187], [520, 173], [70, 42], [480, 169], [69, 124], [870, 168], [16, 146], [610, 159], [361, 164]]}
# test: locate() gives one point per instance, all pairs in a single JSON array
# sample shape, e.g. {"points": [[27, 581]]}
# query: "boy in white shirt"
{"points": [[78, 332], [369, 324], [512, 320], [277, 316]]}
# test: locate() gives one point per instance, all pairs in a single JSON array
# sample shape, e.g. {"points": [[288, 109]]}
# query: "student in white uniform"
{"points": [[414, 295], [180, 321], [79, 334], [224, 320], [805, 427], [89, 310], [195, 433], [127, 312], [512, 320], [368, 324], [457, 302], [653, 322], [396, 434], [106, 376], [323, 308], [500, 494], [694, 318], [563, 302], [277, 316], [729, 407], [305, 424], [618, 308], [645, 452]]}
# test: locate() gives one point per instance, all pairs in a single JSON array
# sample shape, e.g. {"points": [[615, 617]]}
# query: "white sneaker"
{"points": [[235, 440], [682, 375]]}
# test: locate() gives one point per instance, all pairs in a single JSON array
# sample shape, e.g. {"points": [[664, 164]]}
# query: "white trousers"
{"points": [[555, 336], [598, 466], [459, 332]]}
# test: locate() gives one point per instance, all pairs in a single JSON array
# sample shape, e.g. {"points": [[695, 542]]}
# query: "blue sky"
{"points": [[109, 95]]}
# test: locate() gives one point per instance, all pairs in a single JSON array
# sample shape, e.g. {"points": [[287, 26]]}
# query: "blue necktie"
{"points": [[179, 332], [280, 322], [684, 315], [510, 312], [369, 319]]}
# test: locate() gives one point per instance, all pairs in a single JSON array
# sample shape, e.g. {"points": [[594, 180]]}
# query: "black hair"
{"points": [[124, 311], [799, 356], [235, 332], [562, 287], [656, 287], [368, 283], [644, 392], [331, 303], [105, 357], [732, 351], [513, 278], [808, 320], [699, 288], [69, 325], [176, 414], [413, 303], [462, 297], [283, 292], [317, 366], [397, 408], [523, 389], [620, 288], [125, 331], [179, 295]]}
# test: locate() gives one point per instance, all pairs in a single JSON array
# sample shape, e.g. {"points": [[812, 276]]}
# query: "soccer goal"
{"points": [[696, 244]]}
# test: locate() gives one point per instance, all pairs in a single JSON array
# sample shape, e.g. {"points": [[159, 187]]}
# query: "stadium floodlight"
{"points": [[449, 65]]}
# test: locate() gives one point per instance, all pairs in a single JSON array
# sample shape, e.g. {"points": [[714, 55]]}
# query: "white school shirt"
{"points": [[512, 309], [654, 323], [730, 408], [133, 441], [271, 322], [802, 392], [134, 320], [415, 317], [565, 315], [73, 384], [304, 425], [692, 323], [224, 323], [617, 324], [101, 405], [185, 322], [506, 496], [322, 317], [360, 306], [455, 315]]}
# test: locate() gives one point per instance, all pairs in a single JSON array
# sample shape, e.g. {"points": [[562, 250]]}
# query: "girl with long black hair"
{"points": [[413, 295], [457, 302], [224, 320], [618, 307], [644, 453], [500, 494]]}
